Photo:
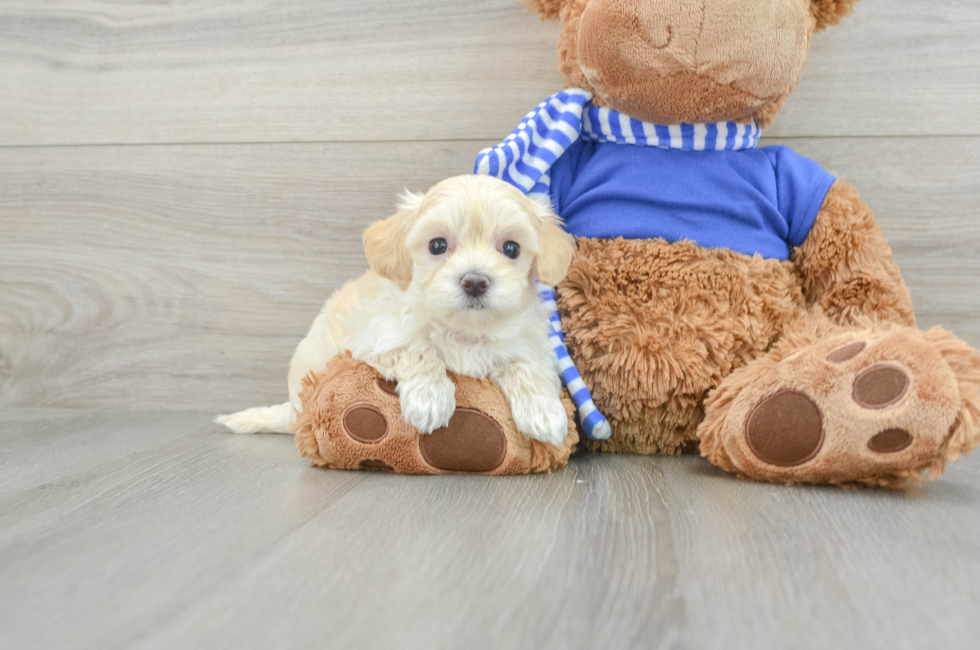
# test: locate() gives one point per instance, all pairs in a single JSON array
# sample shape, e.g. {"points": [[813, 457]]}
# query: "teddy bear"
{"points": [[725, 298]]}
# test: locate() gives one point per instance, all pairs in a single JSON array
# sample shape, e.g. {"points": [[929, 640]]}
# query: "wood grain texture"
{"points": [[155, 530], [106, 71], [184, 276], [181, 276]]}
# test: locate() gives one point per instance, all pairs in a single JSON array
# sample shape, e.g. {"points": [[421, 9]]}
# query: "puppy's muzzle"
{"points": [[474, 284]]}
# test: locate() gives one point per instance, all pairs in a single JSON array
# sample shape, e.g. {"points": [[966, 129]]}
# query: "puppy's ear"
{"points": [[384, 242], [556, 245], [830, 12], [549, 9]]}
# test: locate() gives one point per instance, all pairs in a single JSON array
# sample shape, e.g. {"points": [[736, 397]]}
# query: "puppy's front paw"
{"points": [[541, 418], [427, 405]]}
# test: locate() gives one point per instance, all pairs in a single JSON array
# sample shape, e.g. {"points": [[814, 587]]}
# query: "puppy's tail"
{"points": [[262, 419]]}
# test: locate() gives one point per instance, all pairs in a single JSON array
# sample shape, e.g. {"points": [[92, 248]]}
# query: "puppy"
{"points": [[450, 287]]}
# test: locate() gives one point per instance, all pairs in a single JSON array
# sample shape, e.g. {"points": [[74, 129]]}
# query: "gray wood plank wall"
{"points": [[182, 185]]}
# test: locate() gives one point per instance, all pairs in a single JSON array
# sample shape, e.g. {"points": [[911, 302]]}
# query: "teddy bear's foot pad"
{"points": [[875, 408], [351, 420], [473, 442], [372, 465], [785, 429]]}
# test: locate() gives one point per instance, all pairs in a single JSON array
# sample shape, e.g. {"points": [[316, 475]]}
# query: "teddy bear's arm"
{"points": [[847, 265]]}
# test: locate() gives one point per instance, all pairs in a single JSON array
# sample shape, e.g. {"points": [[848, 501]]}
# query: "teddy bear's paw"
{"points": [[870, 407], [351, 419]]}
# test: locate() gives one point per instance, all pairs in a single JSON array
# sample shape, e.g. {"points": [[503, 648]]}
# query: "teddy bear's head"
{"points": [[671, 61]]}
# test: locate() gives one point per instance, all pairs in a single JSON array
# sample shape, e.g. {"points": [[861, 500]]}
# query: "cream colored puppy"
{"points": [[450, 288]]}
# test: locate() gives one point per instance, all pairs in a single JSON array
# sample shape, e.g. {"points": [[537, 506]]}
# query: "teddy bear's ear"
{"points": [[830, 12], [548, 9]]}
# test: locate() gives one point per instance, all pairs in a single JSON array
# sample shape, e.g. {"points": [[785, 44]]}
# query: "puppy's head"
{"points": [[470, 248]]}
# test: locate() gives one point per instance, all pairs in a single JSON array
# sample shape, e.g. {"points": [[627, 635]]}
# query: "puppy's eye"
{"points": [[511, 249], [438, 246]]}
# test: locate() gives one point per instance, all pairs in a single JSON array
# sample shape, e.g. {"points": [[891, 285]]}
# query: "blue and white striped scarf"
{"points": [[593, 422], [526, 156]]}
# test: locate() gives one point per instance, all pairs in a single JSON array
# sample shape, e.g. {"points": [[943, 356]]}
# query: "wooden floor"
{"points": [[182, 185], [155, 530]]}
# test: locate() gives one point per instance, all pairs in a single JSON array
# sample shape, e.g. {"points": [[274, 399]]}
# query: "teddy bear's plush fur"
{"points": [[808, 370], [744, 356], [351, 420]]}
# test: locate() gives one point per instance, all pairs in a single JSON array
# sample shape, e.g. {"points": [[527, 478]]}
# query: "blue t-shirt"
{"points": [[753, 201]]}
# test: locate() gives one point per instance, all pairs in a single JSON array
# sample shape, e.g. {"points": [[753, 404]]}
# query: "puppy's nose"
{"points": [[474, 284]]}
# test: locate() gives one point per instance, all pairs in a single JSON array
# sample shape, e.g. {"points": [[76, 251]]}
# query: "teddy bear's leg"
{"points": [[875, 406], [351, 419], [853, 393]]}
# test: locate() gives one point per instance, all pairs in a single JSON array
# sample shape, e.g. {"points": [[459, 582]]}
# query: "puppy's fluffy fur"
{"points": [[411, 319]]}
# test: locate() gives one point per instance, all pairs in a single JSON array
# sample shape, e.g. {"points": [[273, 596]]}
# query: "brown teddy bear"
{"points": [[736, 299]]}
